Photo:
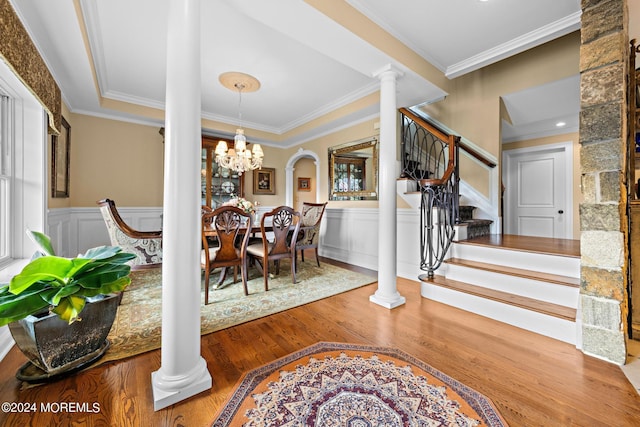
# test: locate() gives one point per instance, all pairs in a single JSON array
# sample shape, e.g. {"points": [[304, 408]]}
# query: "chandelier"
{"points": [[239, 158]]}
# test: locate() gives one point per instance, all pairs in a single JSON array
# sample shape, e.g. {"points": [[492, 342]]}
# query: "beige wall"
{"points": [[124, 161], [117, 160], [321, 146], [304, 168], [577, 191], [473, 107], [273, 158]]}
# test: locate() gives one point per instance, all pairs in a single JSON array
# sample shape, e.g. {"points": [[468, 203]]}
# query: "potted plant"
{"points": [[60, 310]]}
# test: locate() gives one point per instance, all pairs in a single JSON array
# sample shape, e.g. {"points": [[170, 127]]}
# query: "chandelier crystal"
{"points": [[239, 158]]}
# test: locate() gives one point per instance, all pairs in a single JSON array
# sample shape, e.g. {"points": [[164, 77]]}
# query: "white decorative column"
{"points": [[289, 185], [183, 372], [317, 165], [387, 294]]}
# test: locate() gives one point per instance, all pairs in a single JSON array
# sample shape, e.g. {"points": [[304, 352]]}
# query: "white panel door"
{"points": [[536, 193]]}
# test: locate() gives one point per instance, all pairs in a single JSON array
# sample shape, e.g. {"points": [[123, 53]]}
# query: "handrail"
{"points": [[442, 135], [425, 124], [478, 156], [430, 157]]}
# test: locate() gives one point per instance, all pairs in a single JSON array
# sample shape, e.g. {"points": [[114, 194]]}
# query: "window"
{"points": [[23, 167], [5, 177]]}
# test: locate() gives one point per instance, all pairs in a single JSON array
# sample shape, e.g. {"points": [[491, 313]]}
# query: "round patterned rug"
{"points": [[349, 385]]}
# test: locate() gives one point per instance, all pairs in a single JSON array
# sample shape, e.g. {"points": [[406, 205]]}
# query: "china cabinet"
{"points": [[349, 174], [218, 184]]}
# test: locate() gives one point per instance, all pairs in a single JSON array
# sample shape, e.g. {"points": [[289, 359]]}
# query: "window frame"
{"points": [[27, 163]]}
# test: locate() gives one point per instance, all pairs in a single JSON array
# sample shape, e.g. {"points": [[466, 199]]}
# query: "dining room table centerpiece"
{"points": [[243, 204]]}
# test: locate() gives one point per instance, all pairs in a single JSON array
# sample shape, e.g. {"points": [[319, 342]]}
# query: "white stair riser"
{"points": [[549, 326], [553, 264], [544, 291], [460, 232]]}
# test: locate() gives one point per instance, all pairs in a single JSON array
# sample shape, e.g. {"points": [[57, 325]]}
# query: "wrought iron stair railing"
{"points": [[430, 157]]}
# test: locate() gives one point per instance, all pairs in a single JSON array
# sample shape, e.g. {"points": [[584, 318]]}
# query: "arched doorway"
{"points": [[290, 185]]}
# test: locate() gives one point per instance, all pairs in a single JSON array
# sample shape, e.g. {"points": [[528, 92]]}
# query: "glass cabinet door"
{"points": [[348, 175], [218, 184]]}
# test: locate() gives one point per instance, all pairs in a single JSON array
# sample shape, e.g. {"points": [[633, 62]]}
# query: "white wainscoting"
{"points": [[75, 230], [347, 234], [351, 236], [6, 341]]}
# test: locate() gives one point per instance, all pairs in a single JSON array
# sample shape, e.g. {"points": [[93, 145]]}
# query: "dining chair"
{"points": [[230, 247], [309, 234], [282, 219], [146, 245]]}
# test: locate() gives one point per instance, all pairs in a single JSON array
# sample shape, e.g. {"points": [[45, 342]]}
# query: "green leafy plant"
{"points": [[63, 284]]}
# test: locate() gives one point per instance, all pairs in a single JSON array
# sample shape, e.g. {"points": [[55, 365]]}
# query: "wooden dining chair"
{"points": [[230, 247], [282, 219]]}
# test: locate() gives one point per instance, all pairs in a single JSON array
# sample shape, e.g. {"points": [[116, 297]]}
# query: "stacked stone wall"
{"points": [[603, 215]]}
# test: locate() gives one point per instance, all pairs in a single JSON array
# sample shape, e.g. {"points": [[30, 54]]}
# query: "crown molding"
{"points": [[541, 35]]}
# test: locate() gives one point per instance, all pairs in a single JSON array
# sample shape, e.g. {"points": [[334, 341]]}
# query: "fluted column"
{"points": [[387, 294], [183, 372]]}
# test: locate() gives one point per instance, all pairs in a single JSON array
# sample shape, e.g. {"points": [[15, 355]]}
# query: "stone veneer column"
{"points": [[603, 217], [183, 371]]}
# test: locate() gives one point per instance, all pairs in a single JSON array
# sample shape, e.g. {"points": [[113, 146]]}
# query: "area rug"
{"points": [[137, 328], [336, 384]]}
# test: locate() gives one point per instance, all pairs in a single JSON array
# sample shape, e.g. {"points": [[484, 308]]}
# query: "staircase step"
{"points": [[473, 228], [466, 212], [547, 287], [517, 272], [544, 318], [538, 258], [531, 283], [546, 308]]}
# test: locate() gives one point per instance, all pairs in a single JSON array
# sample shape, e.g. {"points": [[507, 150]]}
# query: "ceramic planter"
{"points": [[55, 347]]}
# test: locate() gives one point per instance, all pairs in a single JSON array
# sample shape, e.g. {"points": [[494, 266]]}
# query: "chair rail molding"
{"points": [[345, 235], [74, 230]]}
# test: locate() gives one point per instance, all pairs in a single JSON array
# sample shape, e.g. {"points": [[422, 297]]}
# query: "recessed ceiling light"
{"points": [[561, 124]]}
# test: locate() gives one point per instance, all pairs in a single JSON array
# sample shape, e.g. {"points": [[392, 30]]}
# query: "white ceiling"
{"points": [[308, 64]]}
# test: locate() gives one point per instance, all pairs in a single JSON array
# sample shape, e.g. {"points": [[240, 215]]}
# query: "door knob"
{"points": [[560, 211]]}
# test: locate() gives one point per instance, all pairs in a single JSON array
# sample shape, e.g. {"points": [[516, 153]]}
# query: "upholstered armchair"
{"points": [[146, 245], [309, 234]]}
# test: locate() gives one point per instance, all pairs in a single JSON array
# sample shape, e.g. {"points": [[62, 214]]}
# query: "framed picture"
{"points": [[264, 181], [304, 184], [60, 155]]}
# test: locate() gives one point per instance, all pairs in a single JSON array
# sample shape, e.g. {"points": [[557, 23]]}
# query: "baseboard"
{"points": [[6, 341]]}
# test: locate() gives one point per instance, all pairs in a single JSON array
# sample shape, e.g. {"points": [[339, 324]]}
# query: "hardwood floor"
{"points": [[533, 380]]}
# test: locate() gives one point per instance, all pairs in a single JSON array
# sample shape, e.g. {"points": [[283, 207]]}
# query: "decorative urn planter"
{"points": [[54, 346], [60, 310]]}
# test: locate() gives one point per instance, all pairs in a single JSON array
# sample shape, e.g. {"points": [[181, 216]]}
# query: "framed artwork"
{"points": [[304, 184], [264, 181], [60, 156]]}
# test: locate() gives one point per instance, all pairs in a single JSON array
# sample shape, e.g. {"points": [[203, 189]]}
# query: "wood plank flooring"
{"points": [[533, 380]]}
